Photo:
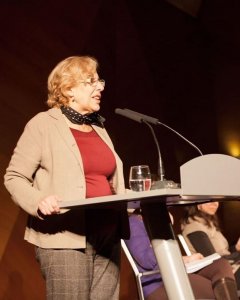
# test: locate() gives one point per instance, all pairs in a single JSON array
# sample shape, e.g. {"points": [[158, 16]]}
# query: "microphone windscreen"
{"points": [[128, 114]]}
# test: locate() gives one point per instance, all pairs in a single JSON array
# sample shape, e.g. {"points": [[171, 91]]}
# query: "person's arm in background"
{"points": [[234, 255], [237, 246], [193, 257], [139, 244], [194, 226]]}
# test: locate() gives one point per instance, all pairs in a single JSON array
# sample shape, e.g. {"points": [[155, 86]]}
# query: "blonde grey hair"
{"points": [[66, 75]]}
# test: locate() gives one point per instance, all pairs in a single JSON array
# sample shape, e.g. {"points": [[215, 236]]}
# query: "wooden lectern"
{"points": [[205, 178]]}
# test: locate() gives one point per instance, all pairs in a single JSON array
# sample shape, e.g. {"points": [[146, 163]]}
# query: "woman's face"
{"points": [[86, 97], [209, 208]]}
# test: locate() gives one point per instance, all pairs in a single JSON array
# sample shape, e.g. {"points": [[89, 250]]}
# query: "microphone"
{"points": [[141, 118], [146, 120], [135, 116]]}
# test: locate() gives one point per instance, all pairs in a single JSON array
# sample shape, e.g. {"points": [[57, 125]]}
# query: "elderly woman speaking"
{"points": [[65, 154]]}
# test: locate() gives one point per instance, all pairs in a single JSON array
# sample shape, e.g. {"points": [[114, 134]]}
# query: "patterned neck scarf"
{"points": [[77, 118]]}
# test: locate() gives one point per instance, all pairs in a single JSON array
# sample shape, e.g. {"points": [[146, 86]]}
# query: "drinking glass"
{"points": [[140, 178]]}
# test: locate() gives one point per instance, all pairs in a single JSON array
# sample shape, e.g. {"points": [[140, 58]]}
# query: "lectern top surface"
{"points": [[170, 196], [128, 197]]}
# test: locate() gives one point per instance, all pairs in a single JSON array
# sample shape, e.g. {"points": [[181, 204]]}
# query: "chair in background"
{"points": [[184, 244], [201, 242], [137, 273], [203, 245]]}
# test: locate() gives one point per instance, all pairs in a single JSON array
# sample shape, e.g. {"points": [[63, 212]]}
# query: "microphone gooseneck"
{"points": [[135, 116], [161, 172], [177, 133], [146, 120]]}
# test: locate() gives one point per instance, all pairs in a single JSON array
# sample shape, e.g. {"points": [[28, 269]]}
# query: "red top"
{"points": [[98, 162]]}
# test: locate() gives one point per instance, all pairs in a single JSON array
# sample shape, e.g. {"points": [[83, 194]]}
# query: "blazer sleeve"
{"points": [[24, 162]]}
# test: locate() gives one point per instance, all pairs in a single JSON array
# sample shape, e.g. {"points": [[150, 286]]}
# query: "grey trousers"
{"points": [[80, 274]]}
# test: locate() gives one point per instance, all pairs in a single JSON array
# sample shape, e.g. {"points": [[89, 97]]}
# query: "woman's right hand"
{"points": [[49, 205]]}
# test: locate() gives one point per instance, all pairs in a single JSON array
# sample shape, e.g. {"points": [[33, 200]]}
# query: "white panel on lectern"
{"points": [[212, 174]]}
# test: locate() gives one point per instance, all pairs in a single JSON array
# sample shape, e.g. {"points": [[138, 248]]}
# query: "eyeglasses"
{"points": [[94, 82]]}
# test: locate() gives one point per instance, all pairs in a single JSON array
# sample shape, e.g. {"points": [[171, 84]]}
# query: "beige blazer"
{"points": [[47, 161]]}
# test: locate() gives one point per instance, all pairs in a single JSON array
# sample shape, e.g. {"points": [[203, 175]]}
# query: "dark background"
{"points": [[178, 61], [180, 66]]}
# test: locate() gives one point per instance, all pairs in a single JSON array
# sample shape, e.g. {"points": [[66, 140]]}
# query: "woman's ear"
{"points": [[70, 93]]}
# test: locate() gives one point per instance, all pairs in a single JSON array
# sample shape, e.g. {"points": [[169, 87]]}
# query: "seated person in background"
{"points": [[207, 283], [200, 228]]}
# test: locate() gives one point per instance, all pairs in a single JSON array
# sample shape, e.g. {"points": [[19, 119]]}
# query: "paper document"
{"points": [[196, 265]]}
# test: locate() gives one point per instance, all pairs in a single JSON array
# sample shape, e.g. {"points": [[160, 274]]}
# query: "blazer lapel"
{"points": [[65, 132]]}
